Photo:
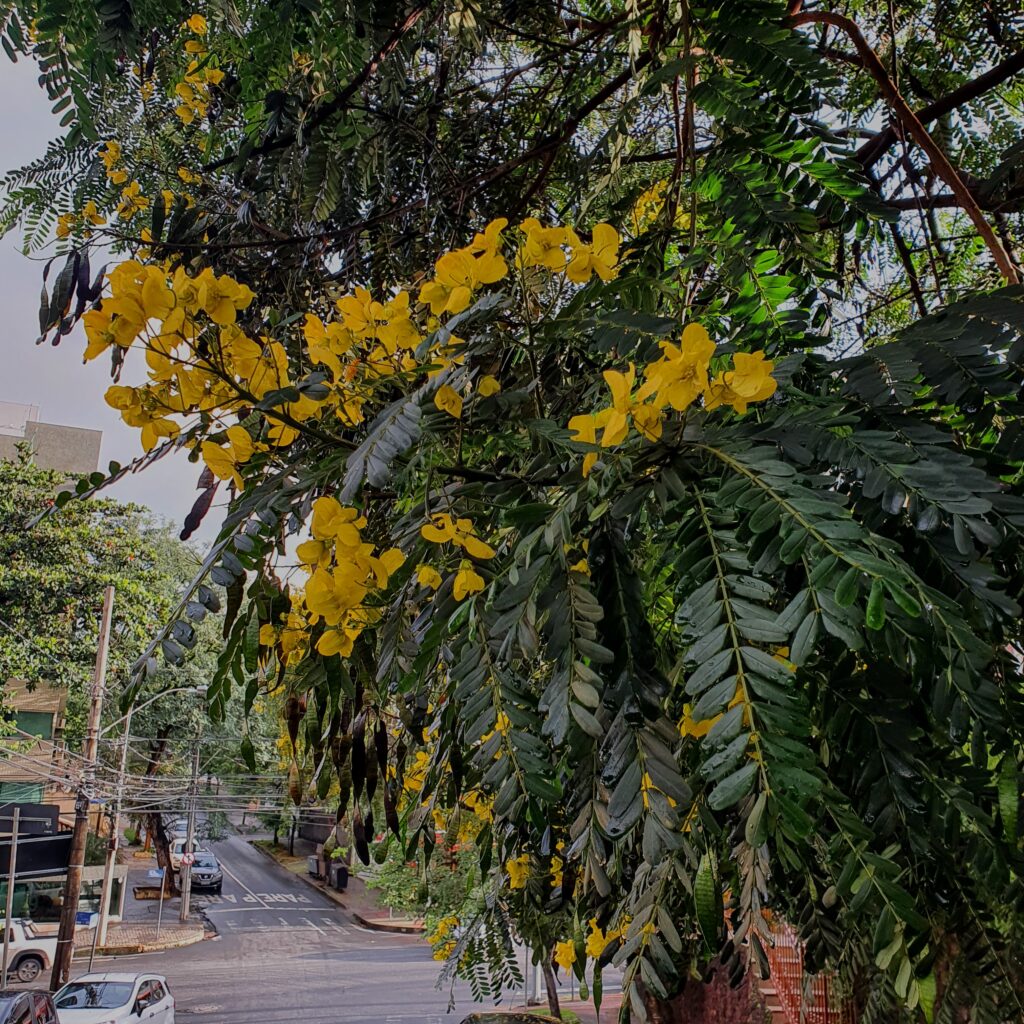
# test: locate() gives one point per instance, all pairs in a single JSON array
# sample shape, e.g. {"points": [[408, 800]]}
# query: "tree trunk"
{"points": [[154, 821], [551, 987]]}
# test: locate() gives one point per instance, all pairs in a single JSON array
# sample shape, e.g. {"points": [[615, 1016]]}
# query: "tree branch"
{"points": [[339, 101], [871, 152], [940, 162]]}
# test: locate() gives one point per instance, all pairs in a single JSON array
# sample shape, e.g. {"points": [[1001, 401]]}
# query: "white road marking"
{"points": [[231, 874], [311, 925]]}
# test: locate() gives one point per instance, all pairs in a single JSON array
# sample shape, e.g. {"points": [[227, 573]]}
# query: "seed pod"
{"points": [[359, 835], [390, 811], [358, 758], [293, 716], [371, 768], [380, 740], [344, 789], [294, 783], [368, 826]]}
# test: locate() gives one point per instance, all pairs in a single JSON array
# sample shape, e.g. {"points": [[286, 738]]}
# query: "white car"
{"points": [[30, 952], [178, 848], [115, 999]]}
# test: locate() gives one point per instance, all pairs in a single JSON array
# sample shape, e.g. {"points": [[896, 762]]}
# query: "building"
{"points": [[32, 764], [71, 450]]}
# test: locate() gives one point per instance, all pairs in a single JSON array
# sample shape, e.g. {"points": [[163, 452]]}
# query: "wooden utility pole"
{"points": [[76, 863]]}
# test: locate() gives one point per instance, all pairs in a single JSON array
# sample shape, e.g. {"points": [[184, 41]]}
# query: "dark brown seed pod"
{"points": [[371, 768]]}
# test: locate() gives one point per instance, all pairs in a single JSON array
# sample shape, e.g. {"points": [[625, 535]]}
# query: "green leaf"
{"points": [[874, 616], [733, 787]]}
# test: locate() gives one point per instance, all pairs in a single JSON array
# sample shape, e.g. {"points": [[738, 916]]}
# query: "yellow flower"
{"points": [[751, 380], [451, 291], [92, 214], [596, 940], [542, 246], [689, 727], [518, 871], [681, 375], [197, 24], [225, 462], [488, 386], [334, 521], [502, 723], [110, 154], [646, 419], [449, 400], [442, 529], [428, 576], [65, 224], [132, 201], [268, 635], [313, 552], [600, 257], [467, 581], [565, 954]]}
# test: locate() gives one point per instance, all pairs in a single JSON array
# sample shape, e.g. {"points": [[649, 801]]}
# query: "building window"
{"points": [[21, 793], [35, 723]]}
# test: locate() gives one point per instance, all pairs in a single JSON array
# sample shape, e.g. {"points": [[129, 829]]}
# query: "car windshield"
{"points": [[102, 995], [205, 860]]}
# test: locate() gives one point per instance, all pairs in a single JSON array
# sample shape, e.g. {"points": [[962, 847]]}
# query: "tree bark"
{"points": [[551, 987]]}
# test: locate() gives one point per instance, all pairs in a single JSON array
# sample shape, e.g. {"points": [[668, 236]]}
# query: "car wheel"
{"points": [[29, 968]]}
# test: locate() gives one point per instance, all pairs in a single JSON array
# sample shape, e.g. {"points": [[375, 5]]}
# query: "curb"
{"points": [[134, 948], [331, 894]]}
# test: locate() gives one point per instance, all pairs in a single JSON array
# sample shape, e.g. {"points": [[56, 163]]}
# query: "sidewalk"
{"points": [[358, 898], [132, 937]]}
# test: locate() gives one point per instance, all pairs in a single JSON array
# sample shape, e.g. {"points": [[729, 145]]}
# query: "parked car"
{"points": [[115, 999], [178, 848], [31, 953], [207, 872], [27, 1008]]}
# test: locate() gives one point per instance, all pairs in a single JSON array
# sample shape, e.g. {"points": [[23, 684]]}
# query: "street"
{"points": [[286, 953]]}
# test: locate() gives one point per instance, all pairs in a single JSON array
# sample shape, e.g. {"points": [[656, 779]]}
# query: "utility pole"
{"points": [[12, 869], [190, 835], [115, 834], [73, 888]]}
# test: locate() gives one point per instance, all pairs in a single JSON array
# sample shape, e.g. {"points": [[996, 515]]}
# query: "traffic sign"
{"points": [[188, 859], [155, 873]]}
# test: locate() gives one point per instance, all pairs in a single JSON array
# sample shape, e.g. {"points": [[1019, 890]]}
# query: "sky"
{"points": [[55, 379]]}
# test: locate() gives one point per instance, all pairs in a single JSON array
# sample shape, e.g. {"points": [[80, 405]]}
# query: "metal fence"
{"points": [[804, 998]]}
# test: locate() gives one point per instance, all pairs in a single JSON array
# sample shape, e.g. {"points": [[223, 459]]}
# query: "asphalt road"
{"points": [[286, 954]]}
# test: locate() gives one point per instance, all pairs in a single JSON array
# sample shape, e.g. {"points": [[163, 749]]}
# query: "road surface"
{"points": [[286, 954]]}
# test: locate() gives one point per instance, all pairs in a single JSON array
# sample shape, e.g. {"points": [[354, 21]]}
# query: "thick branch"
{"points": [[939, 160], [871, 152]]}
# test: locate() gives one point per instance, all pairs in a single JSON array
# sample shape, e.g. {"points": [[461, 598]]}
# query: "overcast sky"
{"points": [[55, 379]]}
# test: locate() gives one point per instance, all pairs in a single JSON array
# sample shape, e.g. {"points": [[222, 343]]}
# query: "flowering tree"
{"points": [[559, 496]]}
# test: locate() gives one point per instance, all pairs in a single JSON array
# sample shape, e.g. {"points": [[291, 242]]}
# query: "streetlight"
{"points": [[108, 868]]}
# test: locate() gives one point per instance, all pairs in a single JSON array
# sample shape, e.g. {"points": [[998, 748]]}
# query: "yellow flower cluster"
{"points": [[440, 938], [648, 207], [442, 529], [198, 359], [518, 869], [546, 247], [110, 154], [194, 91], [344, 572], [675, 381], [292, 635], [79, 223]]}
